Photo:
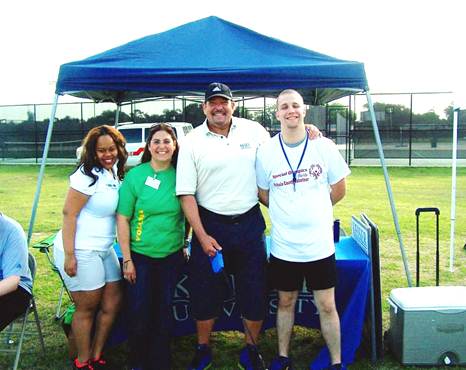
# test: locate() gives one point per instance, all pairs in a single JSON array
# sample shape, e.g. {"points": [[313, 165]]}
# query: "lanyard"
{"points": [[294, 172]]}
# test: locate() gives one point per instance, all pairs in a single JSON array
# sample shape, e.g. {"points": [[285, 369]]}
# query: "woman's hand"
{"points": [[129, 271], [70, 265], [74, 203], [186, 253]]}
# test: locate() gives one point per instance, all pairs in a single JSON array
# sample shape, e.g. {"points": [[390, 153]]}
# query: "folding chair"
{"points": [[16, 336], [44, 247]]}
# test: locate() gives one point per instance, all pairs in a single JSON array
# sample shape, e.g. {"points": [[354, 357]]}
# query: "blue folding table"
{"points": [[351, 293]]}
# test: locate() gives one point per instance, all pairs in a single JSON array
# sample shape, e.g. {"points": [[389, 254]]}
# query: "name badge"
{"points": [[153, 183]]}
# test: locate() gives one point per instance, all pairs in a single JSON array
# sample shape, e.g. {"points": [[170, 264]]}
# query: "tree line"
{"points": [[396, 117]]}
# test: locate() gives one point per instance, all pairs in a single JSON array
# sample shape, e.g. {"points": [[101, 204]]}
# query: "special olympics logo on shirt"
{"points": [[315, 170]]}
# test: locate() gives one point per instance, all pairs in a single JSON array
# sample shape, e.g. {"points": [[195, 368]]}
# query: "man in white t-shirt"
{"points": [[300, 180]]}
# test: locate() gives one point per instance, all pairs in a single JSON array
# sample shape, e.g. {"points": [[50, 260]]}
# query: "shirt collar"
{"points": [[206, 131]]}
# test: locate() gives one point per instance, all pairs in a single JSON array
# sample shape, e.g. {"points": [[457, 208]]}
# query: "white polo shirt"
{"points": [[96, 224], [220, 170]]}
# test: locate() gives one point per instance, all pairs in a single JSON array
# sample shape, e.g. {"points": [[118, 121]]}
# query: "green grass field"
{"points": [[412, 187]]}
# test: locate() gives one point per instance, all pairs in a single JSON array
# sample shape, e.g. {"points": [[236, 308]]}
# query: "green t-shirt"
{"points": [[156, 218]]}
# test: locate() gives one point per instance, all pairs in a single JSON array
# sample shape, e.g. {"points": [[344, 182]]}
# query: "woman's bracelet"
{"points": [[125, 262]]}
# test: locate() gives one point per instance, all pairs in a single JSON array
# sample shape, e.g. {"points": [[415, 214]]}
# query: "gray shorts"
{"points": [[95, 269]]}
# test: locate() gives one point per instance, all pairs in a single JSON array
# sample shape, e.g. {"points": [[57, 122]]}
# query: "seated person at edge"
{"points": [[151, 231], [15, 277], [83, 249], [300, 180], [218, 193]]}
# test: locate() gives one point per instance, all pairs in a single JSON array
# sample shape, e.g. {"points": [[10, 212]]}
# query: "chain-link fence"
{"points": [[412, 125]]}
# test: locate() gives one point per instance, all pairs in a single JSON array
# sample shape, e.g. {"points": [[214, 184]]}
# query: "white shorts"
{"points": [[95, 269]]}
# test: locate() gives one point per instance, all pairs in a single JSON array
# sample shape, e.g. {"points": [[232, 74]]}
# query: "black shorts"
{"points": [[288, 276], [13, 305]]}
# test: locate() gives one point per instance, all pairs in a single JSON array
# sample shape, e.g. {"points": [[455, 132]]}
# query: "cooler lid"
{"points": [[436, 298]]}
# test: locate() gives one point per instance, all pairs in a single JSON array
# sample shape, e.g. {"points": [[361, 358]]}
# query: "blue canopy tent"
{"points": [[185, 59]]}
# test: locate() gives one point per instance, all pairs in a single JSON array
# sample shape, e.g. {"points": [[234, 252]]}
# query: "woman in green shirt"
{"points": [[151, 231]]}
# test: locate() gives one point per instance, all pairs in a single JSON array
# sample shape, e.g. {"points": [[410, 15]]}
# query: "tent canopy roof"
{"points": [[185, 59]]}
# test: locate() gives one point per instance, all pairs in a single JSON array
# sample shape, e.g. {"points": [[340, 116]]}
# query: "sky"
{"points": [[405, 45]]}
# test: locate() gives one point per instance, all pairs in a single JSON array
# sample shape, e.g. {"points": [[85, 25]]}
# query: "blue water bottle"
{"points": [[217, 262]]}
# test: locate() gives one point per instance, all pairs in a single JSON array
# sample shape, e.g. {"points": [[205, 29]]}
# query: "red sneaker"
{"points": [[82, 365], [99, 363]]}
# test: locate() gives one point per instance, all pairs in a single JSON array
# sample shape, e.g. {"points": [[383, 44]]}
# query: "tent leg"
{"points": [[42, 167], [389, 188], [453, 188]]}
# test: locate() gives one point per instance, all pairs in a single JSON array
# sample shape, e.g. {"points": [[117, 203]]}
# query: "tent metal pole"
{"points": [[453, 189], [410, 128], [389, 188], [36, 137], [117, 115], [42, 168], [349, 120]]}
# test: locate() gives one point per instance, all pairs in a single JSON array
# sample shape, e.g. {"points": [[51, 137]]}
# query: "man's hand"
{"points": [[314, 132], [9, 284], [209, 245]]}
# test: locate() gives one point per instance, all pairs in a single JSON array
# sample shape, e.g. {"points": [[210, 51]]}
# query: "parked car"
{"points": [[135, 135]]}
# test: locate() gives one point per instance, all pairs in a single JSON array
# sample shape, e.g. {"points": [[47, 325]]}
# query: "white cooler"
{"points": [[428, 325]]}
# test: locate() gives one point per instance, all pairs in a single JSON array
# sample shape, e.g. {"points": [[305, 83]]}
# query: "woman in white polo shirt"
{"points": [[83, 248]]}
